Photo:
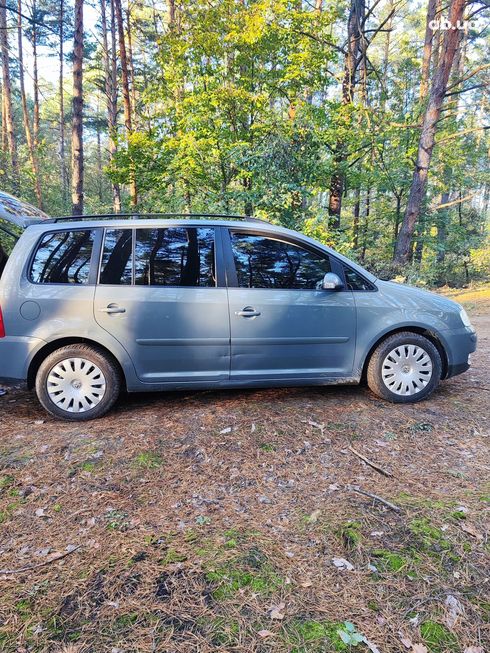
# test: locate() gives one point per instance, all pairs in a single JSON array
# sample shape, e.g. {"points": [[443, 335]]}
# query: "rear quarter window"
{"points": [[63, 257]]}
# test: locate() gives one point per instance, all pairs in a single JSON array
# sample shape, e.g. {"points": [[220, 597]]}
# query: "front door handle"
{"points": [[112, 308], [248, 311]]}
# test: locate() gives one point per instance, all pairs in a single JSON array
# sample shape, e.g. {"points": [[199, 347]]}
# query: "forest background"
{"points": [[363, 123]]}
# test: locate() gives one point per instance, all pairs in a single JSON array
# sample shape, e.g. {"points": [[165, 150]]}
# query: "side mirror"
{"points": [[331, 281]]}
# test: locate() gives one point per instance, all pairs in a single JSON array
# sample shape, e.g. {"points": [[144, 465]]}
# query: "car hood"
{"points": [[417, 297]]}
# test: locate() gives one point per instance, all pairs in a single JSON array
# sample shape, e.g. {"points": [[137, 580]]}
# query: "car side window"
{"points": [[263, 262], [117, 262], [63, 257], [355, 281], [175, 256]]}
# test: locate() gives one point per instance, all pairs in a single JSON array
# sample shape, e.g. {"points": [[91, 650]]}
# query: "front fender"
{"points": [[377, 318]]}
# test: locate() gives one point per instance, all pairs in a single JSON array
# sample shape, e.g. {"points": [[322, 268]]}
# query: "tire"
{"points": [[78, 383], [404, 368]]}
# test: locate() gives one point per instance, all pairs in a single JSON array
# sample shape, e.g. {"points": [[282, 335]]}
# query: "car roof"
{"points": [[216, 220]]}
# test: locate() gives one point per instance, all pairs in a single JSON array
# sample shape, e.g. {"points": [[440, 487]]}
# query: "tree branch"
{"points": [[461, 133], [469, 75], [458, 201]]}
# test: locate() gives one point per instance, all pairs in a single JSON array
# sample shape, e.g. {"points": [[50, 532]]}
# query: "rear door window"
{"points": [[63, 257], [175, 256], [117, 257]]}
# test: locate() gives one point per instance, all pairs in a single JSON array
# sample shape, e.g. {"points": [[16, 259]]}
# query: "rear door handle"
{"points": [[248, 311], [112, 308]]}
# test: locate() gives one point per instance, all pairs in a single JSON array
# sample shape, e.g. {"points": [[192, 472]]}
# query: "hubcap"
{"points": [[76, 385], [406, 370]]}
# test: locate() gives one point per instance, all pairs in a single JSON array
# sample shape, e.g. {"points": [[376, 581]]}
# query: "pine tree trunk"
{"points": [[352, 60], [61, 145], [25, 113], [110, 72], [77, 124], [427, 53], [397, 219], [438, 90], [131, 67], [125, 92], [419, 246], [4, 125], [35, 76], [365, 230], [442, 230], [100, 175], [7, 99], [355, 224]]}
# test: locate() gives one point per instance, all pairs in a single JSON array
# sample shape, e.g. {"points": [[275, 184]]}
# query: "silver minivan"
{"points": [[91, 305]]}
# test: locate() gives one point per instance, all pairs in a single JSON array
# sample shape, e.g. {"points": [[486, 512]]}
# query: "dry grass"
{"points": [[191, 534]]}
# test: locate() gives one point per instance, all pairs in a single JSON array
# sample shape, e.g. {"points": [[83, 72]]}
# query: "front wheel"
{"points": [[404, 368], [78, 383]]}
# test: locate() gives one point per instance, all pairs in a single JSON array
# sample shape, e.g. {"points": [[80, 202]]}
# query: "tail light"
{"points": [[2, 325]]}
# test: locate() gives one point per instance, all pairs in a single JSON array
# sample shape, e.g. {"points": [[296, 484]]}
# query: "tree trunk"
{"points": [[419, 246], [436, 43], [125, 93], [100, 174], [386, 56], [7, 98], [25, 112], [427, 138], [355, 224], [366, 223], [171, 13], [61, 145], [397, 219], [131, 66], [110, 73], [77, 124], [35, 76], [351, 63], [4, 125], [442, 230], [429, 37]]}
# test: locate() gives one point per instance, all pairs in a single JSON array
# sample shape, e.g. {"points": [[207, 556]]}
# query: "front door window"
{"points": [[268, 263]]}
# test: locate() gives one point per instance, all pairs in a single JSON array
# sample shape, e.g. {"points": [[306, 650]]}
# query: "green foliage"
{"points": [[351, 533], [237, 108], [390, 561], [429, 536], [315, 636], [148, 460], [437, 637], [252, 571]]}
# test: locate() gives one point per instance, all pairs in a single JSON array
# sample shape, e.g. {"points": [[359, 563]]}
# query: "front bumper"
{"points": [[459, 344]]}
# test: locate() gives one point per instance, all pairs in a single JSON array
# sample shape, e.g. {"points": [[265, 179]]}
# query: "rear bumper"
{"points": [[16, 353], [459, 344]]}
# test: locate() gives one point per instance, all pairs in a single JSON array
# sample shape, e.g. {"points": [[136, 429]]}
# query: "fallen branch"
{"points": [[377, 468], [5, 572], [375, 497]]}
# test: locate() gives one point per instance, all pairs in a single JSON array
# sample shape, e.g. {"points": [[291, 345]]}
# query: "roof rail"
{"points": [[163, 216]]}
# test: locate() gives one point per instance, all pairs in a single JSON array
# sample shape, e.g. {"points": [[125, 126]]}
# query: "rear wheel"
{"points": [[404, 368], [78, 383]]}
